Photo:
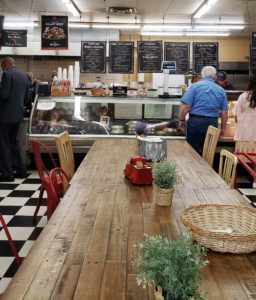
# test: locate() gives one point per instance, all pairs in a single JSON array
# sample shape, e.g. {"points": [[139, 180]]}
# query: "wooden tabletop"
{"points": [[85, 250]]}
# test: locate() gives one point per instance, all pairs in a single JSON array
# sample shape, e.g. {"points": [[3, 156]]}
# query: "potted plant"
{"points": [[172, 266], [165, 177]]}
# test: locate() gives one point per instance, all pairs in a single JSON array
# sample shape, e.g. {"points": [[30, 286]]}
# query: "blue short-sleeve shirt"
{"points": [[206, 98]]}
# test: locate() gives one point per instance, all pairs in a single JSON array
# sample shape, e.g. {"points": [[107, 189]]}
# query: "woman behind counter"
{"points": [[245, 113]]}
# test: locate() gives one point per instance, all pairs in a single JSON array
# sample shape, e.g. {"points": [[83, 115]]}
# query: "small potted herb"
{"points": [[165, 177], [172, 266]]}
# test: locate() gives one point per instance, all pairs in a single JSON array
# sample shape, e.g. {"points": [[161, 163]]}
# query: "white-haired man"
{"points": [[205, 101]]}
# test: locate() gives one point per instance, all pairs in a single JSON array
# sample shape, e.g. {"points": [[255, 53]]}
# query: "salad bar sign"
{"points": [[54, 35], [14, 38]]}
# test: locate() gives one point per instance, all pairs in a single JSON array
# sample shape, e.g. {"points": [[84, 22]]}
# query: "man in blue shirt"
{"points": [[205, 101]]}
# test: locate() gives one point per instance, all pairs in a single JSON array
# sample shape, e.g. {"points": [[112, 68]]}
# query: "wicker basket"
{"points": [[98, 92], [222, 228]]}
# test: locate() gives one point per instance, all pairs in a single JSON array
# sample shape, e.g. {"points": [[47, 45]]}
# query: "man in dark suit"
{"points": [[14, 94]]}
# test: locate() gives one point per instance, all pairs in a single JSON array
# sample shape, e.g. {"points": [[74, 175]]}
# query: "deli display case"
{"points": [[87, 118]]}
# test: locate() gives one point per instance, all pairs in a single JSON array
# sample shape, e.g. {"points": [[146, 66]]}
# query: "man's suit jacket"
{"points": [[14, 94]]}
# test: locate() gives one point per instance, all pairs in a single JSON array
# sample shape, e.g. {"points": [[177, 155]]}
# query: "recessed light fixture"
{"points": [[203, 8], [116, 26], [20, 24], [207, 33]]}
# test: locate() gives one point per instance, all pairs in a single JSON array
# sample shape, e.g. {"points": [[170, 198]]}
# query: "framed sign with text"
{"points": [[205, 54], [14, 38], [93, 57], [54, 33]]}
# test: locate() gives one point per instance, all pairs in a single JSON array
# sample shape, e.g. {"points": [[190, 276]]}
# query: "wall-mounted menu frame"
{"points": [[205, 54], [1, 28], [14, 38], [150, 56], [253, 61], [253, 40], [93, 57], [54, 33], [121, 57], [179, 52]]}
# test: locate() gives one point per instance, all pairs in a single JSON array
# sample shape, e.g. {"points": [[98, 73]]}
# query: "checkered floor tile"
{"points": [[17, 205]]}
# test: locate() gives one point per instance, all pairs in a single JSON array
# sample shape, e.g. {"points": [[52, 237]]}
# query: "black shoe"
{"points": [[21, 175], [6, 178]]}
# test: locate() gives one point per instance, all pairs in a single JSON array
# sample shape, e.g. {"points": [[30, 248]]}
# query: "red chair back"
{"points": [[39, 148], [52, 188]]}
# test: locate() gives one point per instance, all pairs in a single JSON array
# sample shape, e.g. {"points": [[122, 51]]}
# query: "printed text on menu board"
{"points": [[205, 54], [150, 54], [54, 33], [121, 57], [179, 52], [93, 57]]}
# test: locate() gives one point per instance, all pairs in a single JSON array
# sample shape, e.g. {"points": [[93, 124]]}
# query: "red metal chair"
{"points": [[39, 148], [14, 250], [53, 187]]}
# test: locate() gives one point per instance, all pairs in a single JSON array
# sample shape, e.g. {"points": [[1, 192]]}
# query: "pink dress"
{"points": [[246, 119]]}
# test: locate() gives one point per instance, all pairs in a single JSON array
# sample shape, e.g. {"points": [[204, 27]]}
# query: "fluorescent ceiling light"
{"points": [[116, 26], [196, 33], [72, 8], [162, 33], [165, 27], [204, 8], [78, 25], [20, 24], [219, 27]]}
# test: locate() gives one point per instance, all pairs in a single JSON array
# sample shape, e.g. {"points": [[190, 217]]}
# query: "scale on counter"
{"points": [[166, 91]]}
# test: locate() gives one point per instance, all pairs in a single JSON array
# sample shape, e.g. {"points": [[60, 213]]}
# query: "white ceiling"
{"points": [[147, 11]]}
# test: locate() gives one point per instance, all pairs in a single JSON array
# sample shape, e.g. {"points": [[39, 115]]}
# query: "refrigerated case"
{"points": [[89, 118]]}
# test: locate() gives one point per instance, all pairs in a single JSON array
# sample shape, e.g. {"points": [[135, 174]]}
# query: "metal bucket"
{"points": [[154, 149]]}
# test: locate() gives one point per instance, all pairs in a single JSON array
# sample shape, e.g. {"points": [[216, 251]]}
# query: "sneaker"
{"points": [[6, 178]]}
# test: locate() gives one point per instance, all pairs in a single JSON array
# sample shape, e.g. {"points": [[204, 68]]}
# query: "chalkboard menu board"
{"points": [[205, 54], [121, 57], [178, 52], [254, 40], [253, 61], [14, 38], [93, 57], [150, 55]]}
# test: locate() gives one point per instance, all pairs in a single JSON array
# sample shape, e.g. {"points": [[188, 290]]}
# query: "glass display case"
{"points": [[102, 116]]}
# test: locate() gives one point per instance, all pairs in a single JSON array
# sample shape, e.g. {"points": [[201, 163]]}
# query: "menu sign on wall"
{"points": [[205, 54], [121, 57], [150, 56], [93, 57], [253, 61], [14, 38], [253, 40], [178, 52], [1, 28], [54, 33]]}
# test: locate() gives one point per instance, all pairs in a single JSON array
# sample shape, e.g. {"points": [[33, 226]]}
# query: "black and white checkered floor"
{"points": [[17, 205]]}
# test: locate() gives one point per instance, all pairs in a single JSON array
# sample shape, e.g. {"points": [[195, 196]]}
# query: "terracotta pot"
{"points": [[163, 197]]}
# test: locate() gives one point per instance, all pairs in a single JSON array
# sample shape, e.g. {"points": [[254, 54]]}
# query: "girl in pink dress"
{"points": [[245, 113]]}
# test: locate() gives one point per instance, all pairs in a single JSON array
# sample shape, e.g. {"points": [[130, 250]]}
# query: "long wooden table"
{"points": [[85, 250]]}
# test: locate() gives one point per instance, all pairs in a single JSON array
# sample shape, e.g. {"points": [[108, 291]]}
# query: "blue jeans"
{"points": [[196, 131]]}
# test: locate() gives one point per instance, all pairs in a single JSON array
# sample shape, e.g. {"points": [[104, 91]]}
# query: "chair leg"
{"points": [[39, 201], [14, 250]]}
